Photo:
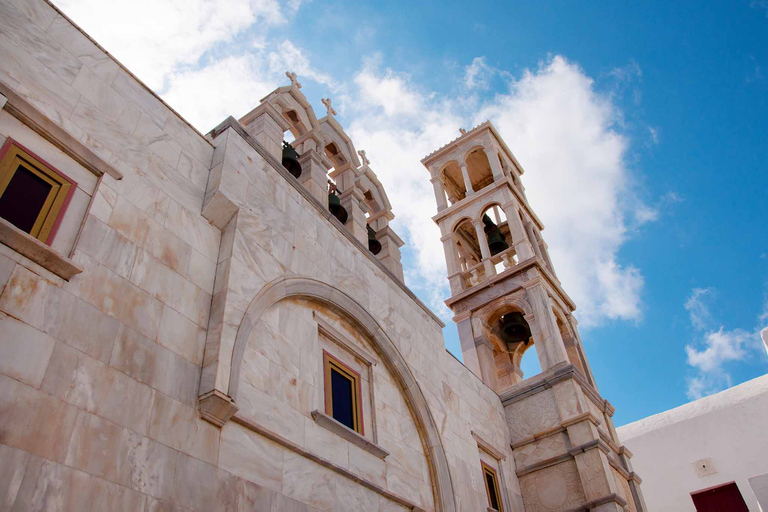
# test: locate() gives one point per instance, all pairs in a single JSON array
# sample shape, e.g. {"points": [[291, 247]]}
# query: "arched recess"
{"points": [[303, 287]]}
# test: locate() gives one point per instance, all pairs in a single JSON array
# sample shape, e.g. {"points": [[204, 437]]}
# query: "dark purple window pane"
{"points": [[492, 490], [23, 199], [341, 390]]}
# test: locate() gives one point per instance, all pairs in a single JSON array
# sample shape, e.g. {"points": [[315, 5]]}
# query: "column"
{"points": [[484, 250], [467, 342], [439, 193], [493, 160], [532, 237], [467, 181], [520, 240], [486, 361], [452, 263], [550, 346]]}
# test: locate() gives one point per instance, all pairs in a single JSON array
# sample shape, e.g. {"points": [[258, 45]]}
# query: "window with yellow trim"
{"points": [[492, 488], [342, 393], [33, 195]]}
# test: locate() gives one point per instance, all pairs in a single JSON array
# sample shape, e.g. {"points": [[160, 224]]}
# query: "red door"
{"points": [[723, 498]]}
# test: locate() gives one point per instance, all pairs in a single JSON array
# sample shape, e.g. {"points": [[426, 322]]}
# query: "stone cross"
{"points": [[292, 77], [365, 158], [327, 103]]}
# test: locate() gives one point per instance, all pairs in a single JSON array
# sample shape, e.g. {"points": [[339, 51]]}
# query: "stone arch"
{"points": [[453, 182], [304, 287], [478, 166], [507, 360]]}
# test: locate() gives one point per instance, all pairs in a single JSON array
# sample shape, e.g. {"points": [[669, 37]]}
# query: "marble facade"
{"points": [[165, 351]]}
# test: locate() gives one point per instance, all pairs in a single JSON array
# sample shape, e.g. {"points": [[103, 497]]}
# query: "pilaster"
{"points": [[352, 201], [267, 126], [314, 175], [390, 250]]}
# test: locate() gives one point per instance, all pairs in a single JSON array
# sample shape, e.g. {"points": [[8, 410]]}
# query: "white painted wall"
{"points": [[729, 428]]}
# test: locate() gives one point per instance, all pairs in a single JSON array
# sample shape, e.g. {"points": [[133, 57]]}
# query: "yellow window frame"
{"points": [[330, 364], [488, 470], [13, 156]]}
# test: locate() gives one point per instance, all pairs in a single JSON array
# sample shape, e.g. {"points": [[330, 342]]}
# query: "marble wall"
{"points": [[100, 375]]}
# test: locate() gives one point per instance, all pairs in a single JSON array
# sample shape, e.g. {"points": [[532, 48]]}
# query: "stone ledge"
{"points": [[32, 248], [350, 435], [591, 505]]}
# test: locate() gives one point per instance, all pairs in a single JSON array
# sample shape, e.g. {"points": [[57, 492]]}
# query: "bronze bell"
{"points": [[496, 242], [291, 160], [514, 328], [373, 245], [334, 205]]}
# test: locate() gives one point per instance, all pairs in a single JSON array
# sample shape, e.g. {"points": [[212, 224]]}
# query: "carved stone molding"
{"points": [[217, 408]]}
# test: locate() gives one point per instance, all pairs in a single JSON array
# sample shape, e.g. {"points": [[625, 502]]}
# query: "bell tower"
{"points": [[506, 298]]}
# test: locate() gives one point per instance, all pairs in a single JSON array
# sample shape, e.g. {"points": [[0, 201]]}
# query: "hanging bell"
{"points": [[334, 205], [291, 160], [373, 245], [514, 328], [496, 242]]}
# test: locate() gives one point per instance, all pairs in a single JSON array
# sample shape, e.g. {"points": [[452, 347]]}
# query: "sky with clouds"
{"points": [[642, 131]]}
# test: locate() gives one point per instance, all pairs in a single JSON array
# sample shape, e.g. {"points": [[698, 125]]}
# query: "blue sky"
{"points": [[642, 128]]}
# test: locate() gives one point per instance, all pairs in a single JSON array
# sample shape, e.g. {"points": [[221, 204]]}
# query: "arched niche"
{"points": [[366, 325]]}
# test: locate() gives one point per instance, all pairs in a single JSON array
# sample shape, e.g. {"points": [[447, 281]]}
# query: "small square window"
{"points": [[33, 195], [492, 488], [342, 393]]}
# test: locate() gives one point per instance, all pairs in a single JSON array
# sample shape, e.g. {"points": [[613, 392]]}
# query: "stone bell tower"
{"points": [[507, 298]]}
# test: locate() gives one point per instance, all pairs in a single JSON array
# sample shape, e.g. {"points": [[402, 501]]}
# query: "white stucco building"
{"points": [[707, 443]]}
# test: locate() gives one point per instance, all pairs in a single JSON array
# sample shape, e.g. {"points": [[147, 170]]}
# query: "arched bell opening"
{"points": [[296, 128], [334, 203], [373, 245], [496, 229], [511, 337], [334, 154], [291, 160], [453, 182], [467, 245], [479, 168]]}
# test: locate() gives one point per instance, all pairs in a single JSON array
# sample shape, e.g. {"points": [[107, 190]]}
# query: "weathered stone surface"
{"points": [[85, 382], [180, 427], [155, 366], [24, 351], [34, 421], [108, 451]]}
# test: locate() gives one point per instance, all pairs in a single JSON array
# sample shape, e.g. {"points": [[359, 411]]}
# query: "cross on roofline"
{"points": [[327, 103], [292, 77]]}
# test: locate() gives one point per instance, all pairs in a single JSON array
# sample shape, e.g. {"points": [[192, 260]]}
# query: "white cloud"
{"points": [[477, 75], [232, 86], [698, 305], [153, 38], [565, 135], [715, 348]]}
